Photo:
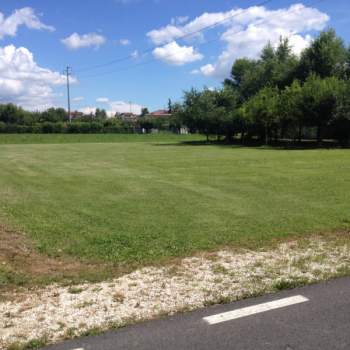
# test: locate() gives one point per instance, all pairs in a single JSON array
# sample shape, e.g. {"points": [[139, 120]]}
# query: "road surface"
{"points": [[315, 317]]}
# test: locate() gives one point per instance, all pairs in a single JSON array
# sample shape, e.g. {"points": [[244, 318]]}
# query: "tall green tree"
{"points": [[341, 118], [325, 57], [275, 67], [319, 101], [100, 114], [144, 111], [291, 109], [245, 78], [262, 110]]}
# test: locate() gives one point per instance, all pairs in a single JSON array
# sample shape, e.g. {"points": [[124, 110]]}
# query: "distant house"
{"points": [[128, 117], [160, 113], [76, 115]]}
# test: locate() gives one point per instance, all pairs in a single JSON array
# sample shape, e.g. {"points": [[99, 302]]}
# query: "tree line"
{"points": [[14, 119], [278, 96]]}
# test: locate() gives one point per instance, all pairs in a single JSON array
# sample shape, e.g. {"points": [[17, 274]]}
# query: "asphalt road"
{"points": [[318, 318]]}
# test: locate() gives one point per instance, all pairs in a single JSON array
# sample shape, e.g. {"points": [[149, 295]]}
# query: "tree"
{"points": [[325, 57], [284, 70], [341, 118], [146, 123], [11, 114], [210, 112], [245, 78], [170, 106], [262, 110], [100, 114], [319, 101], [144, 112], [54, 115], [291, 108], [275, 67], [227, 118]]}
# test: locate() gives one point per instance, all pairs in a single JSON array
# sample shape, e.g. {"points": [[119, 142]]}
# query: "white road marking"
{"points": [[254, 309], [78, 349]]}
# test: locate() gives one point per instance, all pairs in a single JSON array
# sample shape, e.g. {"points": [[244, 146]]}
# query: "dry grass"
{"points": [[21, 265]]}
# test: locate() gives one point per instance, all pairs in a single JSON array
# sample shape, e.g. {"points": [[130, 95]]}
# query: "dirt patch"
{"points": [[19, 256]]}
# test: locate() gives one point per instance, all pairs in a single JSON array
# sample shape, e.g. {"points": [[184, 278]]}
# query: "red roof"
{"points": [[160, 112]]}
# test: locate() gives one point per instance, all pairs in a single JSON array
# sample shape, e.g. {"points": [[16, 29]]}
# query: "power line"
{"points": [[187, 35], [171, 55]]}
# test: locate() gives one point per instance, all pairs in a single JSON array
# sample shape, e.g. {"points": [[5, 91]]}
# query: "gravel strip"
{"points": [[57, 312]]}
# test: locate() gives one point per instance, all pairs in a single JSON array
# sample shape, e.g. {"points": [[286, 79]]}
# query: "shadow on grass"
{"points": [[275, 145]]}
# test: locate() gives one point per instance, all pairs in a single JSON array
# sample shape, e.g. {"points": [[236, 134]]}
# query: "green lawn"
{"points": [[96, 138], [100, 199]]}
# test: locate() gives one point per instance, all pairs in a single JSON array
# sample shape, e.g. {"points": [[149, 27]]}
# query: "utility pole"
{"points": [[67, 72]]}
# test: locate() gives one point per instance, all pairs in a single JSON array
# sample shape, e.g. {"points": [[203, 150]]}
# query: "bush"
{"points": [[52, 128]]}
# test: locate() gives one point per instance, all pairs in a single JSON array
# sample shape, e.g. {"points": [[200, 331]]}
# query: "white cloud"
{"points": [[248, 41], [124, 42], [24, 16], [78, 99], [165, 35], [246, 32], [115, 107], [135, 54], [88, 110], [207, 69], [23, 82], [175, 54], [102, 100], [123, 107], [77, 41], [174, 30]]}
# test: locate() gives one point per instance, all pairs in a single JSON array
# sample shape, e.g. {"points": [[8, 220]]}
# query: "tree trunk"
{"points": [[282, 132], [242, 137], [300, 131], [319, 134]]}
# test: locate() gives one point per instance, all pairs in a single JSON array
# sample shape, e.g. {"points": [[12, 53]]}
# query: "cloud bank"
{"points": [[113, 107], [22, 17], [23, 82], [244, 33]]}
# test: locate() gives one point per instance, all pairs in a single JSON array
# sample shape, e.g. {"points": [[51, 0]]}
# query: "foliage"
{"points": [[14, 119], [326, 57], [341, 117], [319, 101], [279, 95], [262, 111]]}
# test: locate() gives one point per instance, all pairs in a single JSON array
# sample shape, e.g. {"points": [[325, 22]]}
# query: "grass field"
{"points": [[97, 199], [95, 138]]}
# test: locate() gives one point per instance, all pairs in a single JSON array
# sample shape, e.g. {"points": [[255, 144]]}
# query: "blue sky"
{"points": [[111, 29]]}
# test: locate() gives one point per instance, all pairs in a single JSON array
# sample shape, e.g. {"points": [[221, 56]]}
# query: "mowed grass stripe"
{"points": [[143, 201]]}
